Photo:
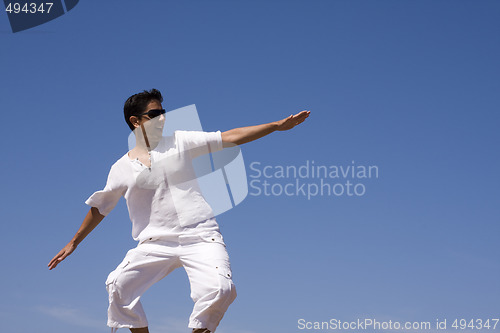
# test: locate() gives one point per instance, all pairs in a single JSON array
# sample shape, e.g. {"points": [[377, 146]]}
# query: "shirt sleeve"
{"points": [[106, 199], [199, 143]]}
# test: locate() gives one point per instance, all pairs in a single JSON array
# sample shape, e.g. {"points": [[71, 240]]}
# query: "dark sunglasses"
{"points": [[153, 113]]}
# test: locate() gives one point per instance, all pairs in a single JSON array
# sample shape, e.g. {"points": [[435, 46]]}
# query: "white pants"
{"points": [[206, 262]]}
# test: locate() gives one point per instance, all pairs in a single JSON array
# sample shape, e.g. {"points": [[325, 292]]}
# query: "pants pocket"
{"points": [[227, 291], [114, 274], [224, 270], [213, 238]]}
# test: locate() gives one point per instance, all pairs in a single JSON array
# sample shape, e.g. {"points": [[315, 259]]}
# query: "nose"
{"points": [[161, 121]]}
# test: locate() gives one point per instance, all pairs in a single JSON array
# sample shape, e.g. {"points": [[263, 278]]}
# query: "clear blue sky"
{"points": [[412, 87]]}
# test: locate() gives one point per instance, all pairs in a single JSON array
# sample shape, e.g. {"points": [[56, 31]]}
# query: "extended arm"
{"points": [[243, 135], [90, 221]]}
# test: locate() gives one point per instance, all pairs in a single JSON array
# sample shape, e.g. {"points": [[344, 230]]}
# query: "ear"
{"points": [[134, 121]]}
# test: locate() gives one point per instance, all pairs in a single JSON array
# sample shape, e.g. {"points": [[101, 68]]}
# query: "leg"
{"points": [[212, 289], [126, 284]]}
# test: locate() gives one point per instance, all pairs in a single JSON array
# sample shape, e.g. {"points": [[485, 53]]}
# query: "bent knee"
{"points": [[227, 291], [233, 293]]}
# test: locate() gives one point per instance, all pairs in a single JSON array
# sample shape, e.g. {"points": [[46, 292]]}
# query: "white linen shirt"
{"points": [[164, 201]]}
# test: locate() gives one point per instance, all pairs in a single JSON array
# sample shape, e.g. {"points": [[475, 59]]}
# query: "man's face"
{"points": [[152, 126]]}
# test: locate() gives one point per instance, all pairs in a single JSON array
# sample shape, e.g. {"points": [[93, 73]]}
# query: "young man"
{"points": [[172, 222]]}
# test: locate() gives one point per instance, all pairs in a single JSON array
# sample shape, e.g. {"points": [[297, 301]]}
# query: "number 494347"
{"points": [[28, 8], [475, 324]]}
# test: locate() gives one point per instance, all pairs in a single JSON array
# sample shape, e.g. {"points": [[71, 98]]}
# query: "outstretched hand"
{"points": [[292, 121], [66, 251]]}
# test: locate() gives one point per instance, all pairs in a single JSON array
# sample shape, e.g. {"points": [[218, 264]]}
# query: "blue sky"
{"points": [[411, 87]]}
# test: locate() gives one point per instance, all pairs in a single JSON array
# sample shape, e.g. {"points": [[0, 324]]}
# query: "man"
{"points": [[172, 222]]}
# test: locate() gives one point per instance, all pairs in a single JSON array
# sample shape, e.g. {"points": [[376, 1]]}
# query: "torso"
{"points": [[165, 201]]}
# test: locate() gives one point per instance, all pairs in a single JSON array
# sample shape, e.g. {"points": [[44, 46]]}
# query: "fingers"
{"points": [[301, 116], [56, 262], [57, 259], [53, 263], [293, 120]]}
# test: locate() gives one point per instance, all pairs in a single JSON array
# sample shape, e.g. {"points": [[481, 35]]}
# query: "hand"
{"points": [[66, 251], [292, 121]]}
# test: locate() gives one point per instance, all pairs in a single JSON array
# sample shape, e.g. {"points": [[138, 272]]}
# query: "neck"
{"points": [[142, 143]]}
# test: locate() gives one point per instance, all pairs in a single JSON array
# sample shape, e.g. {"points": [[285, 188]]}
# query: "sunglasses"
{"points": [[153, 113]]}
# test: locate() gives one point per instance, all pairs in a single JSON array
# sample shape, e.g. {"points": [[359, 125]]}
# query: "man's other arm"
{"points": [[90, 221]]}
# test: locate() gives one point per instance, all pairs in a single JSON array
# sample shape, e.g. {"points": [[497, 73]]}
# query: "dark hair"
{"points": [[137, 104]]}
